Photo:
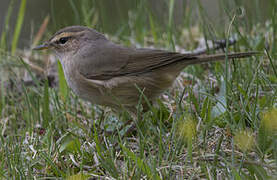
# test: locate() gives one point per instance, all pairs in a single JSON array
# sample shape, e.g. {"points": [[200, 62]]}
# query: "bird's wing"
{"points": [[105, 62]]}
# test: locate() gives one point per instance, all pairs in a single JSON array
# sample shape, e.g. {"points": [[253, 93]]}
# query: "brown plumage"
{"points": [[110, 74]]}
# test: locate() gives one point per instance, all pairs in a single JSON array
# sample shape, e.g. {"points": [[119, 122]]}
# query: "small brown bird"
{"points": [[109, 74]]}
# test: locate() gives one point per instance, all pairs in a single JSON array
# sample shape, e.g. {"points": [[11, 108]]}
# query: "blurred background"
{"points": [[117, 17]]}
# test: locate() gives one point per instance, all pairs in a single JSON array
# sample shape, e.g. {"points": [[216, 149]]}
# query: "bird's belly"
{"points": [[124, 91], [129, 91]]}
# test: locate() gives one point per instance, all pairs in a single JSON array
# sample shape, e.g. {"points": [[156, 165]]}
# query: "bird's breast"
{"points": [[79, 84]]}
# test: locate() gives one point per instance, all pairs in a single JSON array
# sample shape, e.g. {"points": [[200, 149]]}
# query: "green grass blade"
{"points": [[170, 25], [18, 27], [6, 26], [53, 166], [46, 107], [63, 89], [142, 165]]}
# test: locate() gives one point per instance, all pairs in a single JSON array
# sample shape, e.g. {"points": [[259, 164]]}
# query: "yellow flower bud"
{"points": [[244, 140]]}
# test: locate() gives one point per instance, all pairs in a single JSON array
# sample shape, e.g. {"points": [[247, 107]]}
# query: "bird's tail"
{"points": [[219, 57]]}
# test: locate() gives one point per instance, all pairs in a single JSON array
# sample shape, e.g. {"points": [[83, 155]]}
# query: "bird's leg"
{"points": [[124, 125]]}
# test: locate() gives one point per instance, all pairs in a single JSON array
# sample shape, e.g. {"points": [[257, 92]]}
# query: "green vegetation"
{"points": [[218, 122]]}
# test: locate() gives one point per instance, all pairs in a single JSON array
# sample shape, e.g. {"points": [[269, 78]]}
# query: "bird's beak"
{"points": [[42, 46]]}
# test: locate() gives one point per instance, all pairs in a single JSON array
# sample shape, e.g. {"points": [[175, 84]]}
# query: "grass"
{"points": [[205, 127]]}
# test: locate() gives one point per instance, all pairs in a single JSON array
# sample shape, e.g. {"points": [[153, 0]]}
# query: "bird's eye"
{"points": [[63, 40]]}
